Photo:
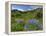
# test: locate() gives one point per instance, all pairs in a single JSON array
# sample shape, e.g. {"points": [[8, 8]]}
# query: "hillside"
{"points": [[21, 19]]}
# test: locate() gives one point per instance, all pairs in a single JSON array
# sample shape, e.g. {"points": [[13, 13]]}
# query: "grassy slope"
{"points": [[15, 15]]}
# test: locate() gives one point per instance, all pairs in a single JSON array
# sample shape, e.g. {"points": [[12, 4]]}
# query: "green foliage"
{"points": [[33, 27], [19, 27]]}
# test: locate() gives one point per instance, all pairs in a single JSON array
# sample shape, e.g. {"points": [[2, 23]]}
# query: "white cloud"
{"points": [[34, 7]]}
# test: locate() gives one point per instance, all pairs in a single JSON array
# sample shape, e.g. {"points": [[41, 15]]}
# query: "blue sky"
{"points": [[24, 7]]}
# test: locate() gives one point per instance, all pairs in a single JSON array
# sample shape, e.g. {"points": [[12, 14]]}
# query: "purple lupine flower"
{"points": [[20, 21], [33, 21]]}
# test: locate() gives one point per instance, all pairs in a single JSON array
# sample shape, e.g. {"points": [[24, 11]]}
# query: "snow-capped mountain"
{"points": [[25, 7]]}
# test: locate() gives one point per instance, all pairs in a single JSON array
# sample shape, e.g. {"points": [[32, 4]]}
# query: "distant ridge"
{"points": [[16, 10]]}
